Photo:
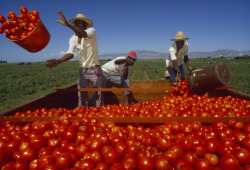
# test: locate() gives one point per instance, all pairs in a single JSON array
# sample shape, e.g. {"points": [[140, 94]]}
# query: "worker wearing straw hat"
{"points": [[112, 72], [178, 49], [85, 41]]}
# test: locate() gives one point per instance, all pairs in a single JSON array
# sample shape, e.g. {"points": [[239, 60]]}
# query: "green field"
{"points": [[21, 83]]}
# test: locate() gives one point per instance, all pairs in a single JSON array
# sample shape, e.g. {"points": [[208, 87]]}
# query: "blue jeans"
{"points": [[173, 74]]}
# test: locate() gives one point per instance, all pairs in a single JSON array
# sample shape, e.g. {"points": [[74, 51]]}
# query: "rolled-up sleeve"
{"points": [[172, 53], [72, 47], [90, 32]]}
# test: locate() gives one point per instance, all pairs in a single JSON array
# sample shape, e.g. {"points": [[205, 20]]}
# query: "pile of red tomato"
{"points": [[18, 27], [180, 103], [88, 144]]}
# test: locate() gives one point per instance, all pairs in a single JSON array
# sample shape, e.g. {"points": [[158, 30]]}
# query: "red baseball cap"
{"points": [[132, 54]]}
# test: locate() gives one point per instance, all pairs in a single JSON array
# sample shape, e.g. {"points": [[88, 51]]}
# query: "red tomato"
{"points": [[199, 150], [95, 145], [211, 145], [2, 19], [145, 163], [161, 164], [35, 13], [45, 161], [96, 156], [242, 155], [212, 158], [245, 143], [102, 166], [121, 148], [64, 161], [34, 165], [111, 156], [23, 10], [186, 143], [202, 164], [180, 163], [129, 162], [229, 162], [12, 146], [217, 125], [170, 156], [190, 157], [22, 165], [87, 164], [1, 30], [162, 143], [177, 148], [70, 135], [38, 142], [28, 154]]}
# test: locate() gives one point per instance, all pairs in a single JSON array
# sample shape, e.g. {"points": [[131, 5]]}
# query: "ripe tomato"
{"points": [[87, 164], [23, 10], [111, 156], [229, 162], [212, 158], [28, 154], [177, 148], [2, 19], [102, 166], [162, 143], [38, 141], [190, 157], [145, 163], [199, 150], [171, 156], [242, 155], [211, 145], [161, 164], [202, 164], [96, 156], [64, 161], [129, 162]]}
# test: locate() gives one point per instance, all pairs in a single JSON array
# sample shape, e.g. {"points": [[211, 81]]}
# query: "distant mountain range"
{"points": [[144, 54]]}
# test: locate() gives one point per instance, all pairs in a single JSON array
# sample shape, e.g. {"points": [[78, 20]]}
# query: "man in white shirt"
{"points": [[85, 41], [112, 72], [176, 51]]}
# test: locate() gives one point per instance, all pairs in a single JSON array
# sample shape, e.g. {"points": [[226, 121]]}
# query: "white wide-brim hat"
{"points": [[82, 18], [179, 36]]}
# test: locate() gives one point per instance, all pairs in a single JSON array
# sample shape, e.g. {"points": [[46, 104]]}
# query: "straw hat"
{"points": [[82, 18], [179, 36]]}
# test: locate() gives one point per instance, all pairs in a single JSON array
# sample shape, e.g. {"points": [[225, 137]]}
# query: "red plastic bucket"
{"points": [[36, 40]]}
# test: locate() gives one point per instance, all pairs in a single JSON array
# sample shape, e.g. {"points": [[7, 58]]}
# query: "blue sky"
{"points": [[124, 25]]}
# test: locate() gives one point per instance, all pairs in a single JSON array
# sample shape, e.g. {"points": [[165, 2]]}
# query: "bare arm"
{"points": [[186, 61], [54, 62], [125, 73], [64, 22]]}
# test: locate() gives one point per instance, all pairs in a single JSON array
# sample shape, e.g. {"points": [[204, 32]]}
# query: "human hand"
{"points": [[178, 76], [52, 63], [63, 20]]}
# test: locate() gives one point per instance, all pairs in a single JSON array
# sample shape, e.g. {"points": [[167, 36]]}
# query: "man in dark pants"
{"points": [[176, 51]]}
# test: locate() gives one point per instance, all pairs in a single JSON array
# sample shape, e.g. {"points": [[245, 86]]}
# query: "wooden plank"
{"points": [[114, 89], [129, 119]]}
